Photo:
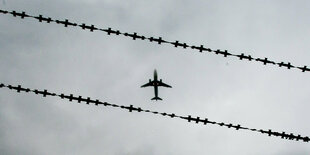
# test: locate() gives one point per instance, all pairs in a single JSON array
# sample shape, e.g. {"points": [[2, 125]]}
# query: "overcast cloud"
{"points": [[112, 68]]}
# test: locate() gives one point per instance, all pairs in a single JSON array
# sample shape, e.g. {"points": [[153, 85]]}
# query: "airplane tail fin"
{"points": [[156, 98]]}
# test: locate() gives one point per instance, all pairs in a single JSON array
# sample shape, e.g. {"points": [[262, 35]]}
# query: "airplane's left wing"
{"points": [[164, 85], [147, 84]]}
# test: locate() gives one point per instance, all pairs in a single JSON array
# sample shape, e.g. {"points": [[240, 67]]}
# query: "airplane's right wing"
{"points": [[147, 84], [164, 85]]}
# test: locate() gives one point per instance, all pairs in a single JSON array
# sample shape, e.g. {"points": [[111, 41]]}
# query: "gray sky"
{"points": [[112, 68]]}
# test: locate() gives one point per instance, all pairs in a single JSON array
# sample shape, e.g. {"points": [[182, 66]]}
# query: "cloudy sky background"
{"points": [[112, 69]]}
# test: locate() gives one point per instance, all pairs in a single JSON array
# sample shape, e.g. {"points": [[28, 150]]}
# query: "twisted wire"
{"points": [[131, 108], [158, 40]]}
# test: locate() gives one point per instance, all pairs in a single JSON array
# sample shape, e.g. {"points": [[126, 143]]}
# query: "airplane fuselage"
{"points": [[155, 84]]}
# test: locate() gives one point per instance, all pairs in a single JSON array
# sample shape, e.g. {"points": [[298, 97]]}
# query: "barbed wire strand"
{"points": [[131, 108], [158, 40]]}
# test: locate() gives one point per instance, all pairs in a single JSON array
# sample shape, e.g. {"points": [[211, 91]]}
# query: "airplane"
{"points": [[155, 83]]}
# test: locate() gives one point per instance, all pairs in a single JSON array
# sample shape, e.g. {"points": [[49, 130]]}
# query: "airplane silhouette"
{"points": [[155, 83]]}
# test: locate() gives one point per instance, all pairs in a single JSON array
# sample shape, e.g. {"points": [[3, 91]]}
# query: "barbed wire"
{"points": [[131, 108], [158, 40]]}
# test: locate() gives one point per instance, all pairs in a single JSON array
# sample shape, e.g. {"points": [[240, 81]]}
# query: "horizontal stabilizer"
{"points": [[156, 98]]}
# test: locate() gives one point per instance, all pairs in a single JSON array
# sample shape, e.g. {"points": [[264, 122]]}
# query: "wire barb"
{"points": [[134, 36], [110, 31], [90, 28], [21, 15], [66, 23], [41, 18]]}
